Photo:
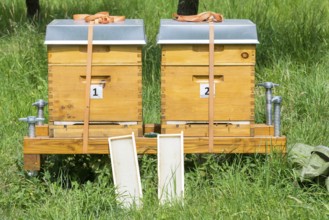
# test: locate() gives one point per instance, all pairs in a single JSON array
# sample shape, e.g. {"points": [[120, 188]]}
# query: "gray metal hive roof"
{"points": [[230, 31], [71, 32]]}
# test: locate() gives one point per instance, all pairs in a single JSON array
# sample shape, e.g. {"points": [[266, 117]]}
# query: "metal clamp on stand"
{"points": [[31, 120], [268, 89], [277, 115], [40, 104]]}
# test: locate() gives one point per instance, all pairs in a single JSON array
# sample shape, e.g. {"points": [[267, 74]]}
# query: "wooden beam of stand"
{"points": [[211, 88], [261, 145], [88, 81]]}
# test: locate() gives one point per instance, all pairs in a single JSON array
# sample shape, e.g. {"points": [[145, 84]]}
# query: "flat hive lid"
{"points": [[230, 31], [75, 32]]}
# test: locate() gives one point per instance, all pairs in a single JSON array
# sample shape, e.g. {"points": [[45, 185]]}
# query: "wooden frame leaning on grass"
{"points": [[126, 175]]}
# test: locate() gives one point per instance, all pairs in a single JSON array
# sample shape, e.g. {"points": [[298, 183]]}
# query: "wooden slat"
{"points": [[193, 55], [233, 93], [73, 131], [236, 145], [148, 145], [122, 98], [42, 130], [102, 54], [263, 130], [201, 130]]}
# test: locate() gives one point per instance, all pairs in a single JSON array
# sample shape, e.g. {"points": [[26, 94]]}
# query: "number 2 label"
{"points": [[204, 90]]}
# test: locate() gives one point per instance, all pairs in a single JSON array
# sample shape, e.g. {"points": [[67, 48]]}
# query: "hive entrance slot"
{"points": [[96, 123], [215, 123]]}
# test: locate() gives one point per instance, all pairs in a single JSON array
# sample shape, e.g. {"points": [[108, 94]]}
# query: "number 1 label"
{"points": [[96, 91]]}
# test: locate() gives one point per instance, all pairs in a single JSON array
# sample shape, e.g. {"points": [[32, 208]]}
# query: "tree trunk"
{"points": [[188, 7], [33, 9]]}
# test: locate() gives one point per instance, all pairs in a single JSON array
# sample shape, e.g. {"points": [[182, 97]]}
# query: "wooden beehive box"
{"points": [[116, 80], [184, 77]]}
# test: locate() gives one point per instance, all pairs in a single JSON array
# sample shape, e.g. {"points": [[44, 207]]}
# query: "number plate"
{"points": [[96, 91], [204, 90]]}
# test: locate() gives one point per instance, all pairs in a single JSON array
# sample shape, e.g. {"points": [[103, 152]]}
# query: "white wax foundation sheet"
{"points": [[125, 169], [170, 167]]}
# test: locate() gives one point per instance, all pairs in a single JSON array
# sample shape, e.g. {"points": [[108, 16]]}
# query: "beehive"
{"points": [[184, 77], [116, 79]]}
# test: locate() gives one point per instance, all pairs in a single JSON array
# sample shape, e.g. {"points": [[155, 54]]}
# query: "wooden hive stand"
{"points": [[263, 142], [117, 79]]}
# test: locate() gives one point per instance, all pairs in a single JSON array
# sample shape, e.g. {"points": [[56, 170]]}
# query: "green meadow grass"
{"points": [[293, 52]]}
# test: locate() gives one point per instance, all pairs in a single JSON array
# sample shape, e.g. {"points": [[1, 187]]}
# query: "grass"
{"points": [[294, 52]]}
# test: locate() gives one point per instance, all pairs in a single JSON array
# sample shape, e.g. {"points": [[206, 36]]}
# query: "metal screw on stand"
{"points": [[268, 89], [40, 104], [32, 173], [277, 115], [31, 120]]}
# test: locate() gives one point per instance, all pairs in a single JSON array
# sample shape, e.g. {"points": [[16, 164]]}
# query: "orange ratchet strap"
{"points": [[211, 88], [88, 82], [204, 16], [98, 18], [208, 17]]}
